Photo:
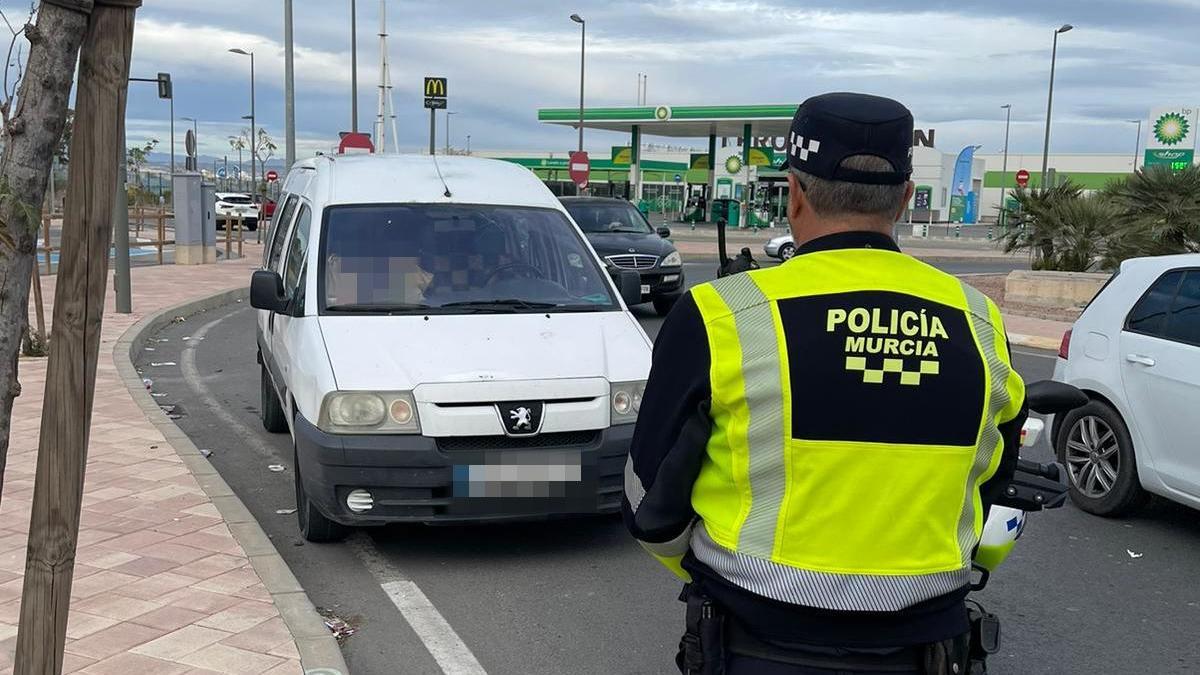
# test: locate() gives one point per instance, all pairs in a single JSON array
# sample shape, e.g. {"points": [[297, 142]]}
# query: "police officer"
{"points": [[819, 442]]}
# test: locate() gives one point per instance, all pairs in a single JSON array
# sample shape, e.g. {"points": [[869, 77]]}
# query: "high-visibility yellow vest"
{"points": [[856, 395]]}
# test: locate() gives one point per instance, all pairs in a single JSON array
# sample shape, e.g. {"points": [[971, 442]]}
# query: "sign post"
{"points": [[1022, 178], [435, 99], [579, 168]]}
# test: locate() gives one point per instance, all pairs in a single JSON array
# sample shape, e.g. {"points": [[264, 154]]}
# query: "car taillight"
{"points": [[1064, 348]]}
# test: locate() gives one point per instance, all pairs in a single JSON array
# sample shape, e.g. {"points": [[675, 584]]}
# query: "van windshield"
{"points": [[456, 259], [611, 216]]}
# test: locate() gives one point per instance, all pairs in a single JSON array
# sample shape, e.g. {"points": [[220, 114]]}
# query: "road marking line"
{"points": [[193, 378], [436, 634]]}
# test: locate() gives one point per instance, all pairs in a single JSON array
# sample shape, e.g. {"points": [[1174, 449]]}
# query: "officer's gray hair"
{"points": [[832, 198]]}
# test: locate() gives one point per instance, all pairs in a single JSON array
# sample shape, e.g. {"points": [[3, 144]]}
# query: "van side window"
{"points": [[297, 247], [279, 230]]}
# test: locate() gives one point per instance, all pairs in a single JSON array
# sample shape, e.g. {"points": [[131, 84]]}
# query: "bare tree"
{"points": [[32, 123]]}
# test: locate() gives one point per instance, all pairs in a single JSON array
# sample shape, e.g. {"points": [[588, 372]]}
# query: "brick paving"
{"points": [[161, 586]]}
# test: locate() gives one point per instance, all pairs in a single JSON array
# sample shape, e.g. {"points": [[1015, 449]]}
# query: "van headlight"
{"points": [[626, 400], [673, 259], [368, 412]]}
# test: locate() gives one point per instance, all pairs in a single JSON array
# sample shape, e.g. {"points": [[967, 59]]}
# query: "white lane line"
{"points": [[196, 381], [445, 646]]}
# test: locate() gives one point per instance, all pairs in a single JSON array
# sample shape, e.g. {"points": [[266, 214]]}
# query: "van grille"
{"points": [[633, 261], [561, 439]]}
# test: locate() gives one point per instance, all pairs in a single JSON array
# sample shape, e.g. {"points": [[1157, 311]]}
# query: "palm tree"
{"points": [[1159, 211], [1062, 228]]}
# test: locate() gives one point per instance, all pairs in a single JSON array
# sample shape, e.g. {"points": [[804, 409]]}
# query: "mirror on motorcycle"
{"points": [[1049, 397]]}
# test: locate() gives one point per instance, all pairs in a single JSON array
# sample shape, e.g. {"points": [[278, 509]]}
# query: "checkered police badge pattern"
{"points": [[876, 375], [802, 148]]}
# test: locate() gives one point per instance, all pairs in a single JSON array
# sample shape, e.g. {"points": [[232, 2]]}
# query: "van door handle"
{"points": [[1139, 359]]}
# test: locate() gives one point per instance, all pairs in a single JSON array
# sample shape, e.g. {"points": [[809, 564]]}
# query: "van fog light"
{"points": [[360, 501]]}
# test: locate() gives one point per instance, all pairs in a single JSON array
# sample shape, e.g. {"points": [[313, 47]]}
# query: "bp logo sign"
{"points": [[1171, 128], [662, 113], [733, 164]]}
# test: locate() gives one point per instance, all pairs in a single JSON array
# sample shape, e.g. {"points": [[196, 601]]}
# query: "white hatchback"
{"points": [[1135, 351]]}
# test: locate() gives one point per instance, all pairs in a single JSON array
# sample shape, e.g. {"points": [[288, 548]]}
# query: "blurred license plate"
{"points": [[519, 475], [645, 288]]}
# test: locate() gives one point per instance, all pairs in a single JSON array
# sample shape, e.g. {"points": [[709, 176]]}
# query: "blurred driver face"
{"points": [[370, 280]]}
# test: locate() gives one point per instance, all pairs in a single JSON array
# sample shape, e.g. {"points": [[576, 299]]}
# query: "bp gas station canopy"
{"points": [[711, 121], [746, 122]]}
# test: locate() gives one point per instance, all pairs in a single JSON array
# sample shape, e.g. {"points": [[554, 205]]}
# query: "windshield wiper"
{"points": [[378, 308], [499, 305], [629, 232]]}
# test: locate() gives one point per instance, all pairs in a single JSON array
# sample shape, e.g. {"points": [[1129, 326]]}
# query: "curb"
{"points": [[1034, 341], [319, 651]]}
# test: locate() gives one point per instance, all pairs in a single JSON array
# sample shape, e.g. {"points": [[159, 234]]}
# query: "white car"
{"points": [[443, 345], [234, 205], [781, 247], [1135, 351]]}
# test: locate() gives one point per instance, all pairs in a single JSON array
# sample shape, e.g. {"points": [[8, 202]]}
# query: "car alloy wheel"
{"points": [[787, 251], [1093, 460]]}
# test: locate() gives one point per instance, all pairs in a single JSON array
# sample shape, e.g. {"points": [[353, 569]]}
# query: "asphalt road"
{"points": [[579, 596]]}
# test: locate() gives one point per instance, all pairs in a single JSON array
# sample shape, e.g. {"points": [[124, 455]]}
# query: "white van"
{"points": [[443, 345]]}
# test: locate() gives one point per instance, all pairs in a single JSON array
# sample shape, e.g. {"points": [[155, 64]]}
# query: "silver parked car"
{"points": [[781, 247]]}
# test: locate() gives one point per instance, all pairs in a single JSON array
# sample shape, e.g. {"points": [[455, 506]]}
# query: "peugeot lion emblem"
{"points": [[521, 418]]}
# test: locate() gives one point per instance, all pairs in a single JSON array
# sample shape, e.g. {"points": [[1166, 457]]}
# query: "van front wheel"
{"points": [[273, 419], [314, 526]]}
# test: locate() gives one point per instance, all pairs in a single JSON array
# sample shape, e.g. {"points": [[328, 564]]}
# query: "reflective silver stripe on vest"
{"points": [[998, 371], [755, 324], [844, 592], [671, 549], [634, 491]]}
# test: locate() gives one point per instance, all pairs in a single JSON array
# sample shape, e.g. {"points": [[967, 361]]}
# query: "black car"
{"points": [[624, 239]]}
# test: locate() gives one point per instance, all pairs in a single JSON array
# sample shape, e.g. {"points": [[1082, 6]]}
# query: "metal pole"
{"points": [[289, 89], [1049, 107], [468, 144], [582, 44], [448, 114], [432, 130], [253, 134], [124, 299], [1004, 171], [172, 100], [1137, 144], [353, 67]]}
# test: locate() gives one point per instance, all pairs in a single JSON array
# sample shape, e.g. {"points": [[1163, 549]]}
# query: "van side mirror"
{"points": [[1049, 397], [630, 285], [664, 232], [266, 291]]}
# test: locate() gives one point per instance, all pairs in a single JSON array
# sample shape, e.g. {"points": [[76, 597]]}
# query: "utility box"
{"points": [[208, 204], [188, 203]]}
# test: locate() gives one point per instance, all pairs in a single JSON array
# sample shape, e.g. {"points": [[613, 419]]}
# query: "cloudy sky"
{"points": [[953, 63]]}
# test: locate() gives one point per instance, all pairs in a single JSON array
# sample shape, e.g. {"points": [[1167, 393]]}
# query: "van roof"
{"points": [[373, 179]]}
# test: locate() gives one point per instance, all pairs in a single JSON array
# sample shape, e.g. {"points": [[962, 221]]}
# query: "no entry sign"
{"points": [[579, 168], [272, 176], [1022, 178]]}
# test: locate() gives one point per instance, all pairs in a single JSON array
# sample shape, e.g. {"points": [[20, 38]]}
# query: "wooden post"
{"points": [[39, 305], [78, 313], [241, 234], [228, 237], [162, 231], [46, 244]]}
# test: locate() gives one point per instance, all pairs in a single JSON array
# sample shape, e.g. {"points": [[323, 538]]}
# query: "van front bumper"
{"points": [[413, 478]]}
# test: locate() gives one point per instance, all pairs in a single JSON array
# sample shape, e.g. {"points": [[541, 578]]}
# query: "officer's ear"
{"points": [[797, 201], [909, 190]]}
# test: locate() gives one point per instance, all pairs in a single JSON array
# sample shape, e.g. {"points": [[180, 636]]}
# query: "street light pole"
{"points": [[1004, 184], [1050, 103], [289, 89], [1137, 145], [582, 44], [253, 133], [448, 114], [353, 67], [468, 144]]}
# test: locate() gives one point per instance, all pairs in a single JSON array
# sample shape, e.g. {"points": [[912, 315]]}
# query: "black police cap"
{"points": [[831, 127]]}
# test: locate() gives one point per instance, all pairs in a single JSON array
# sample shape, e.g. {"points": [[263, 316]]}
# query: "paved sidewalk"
{"points": [[1027, 331], [161, 585]]}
